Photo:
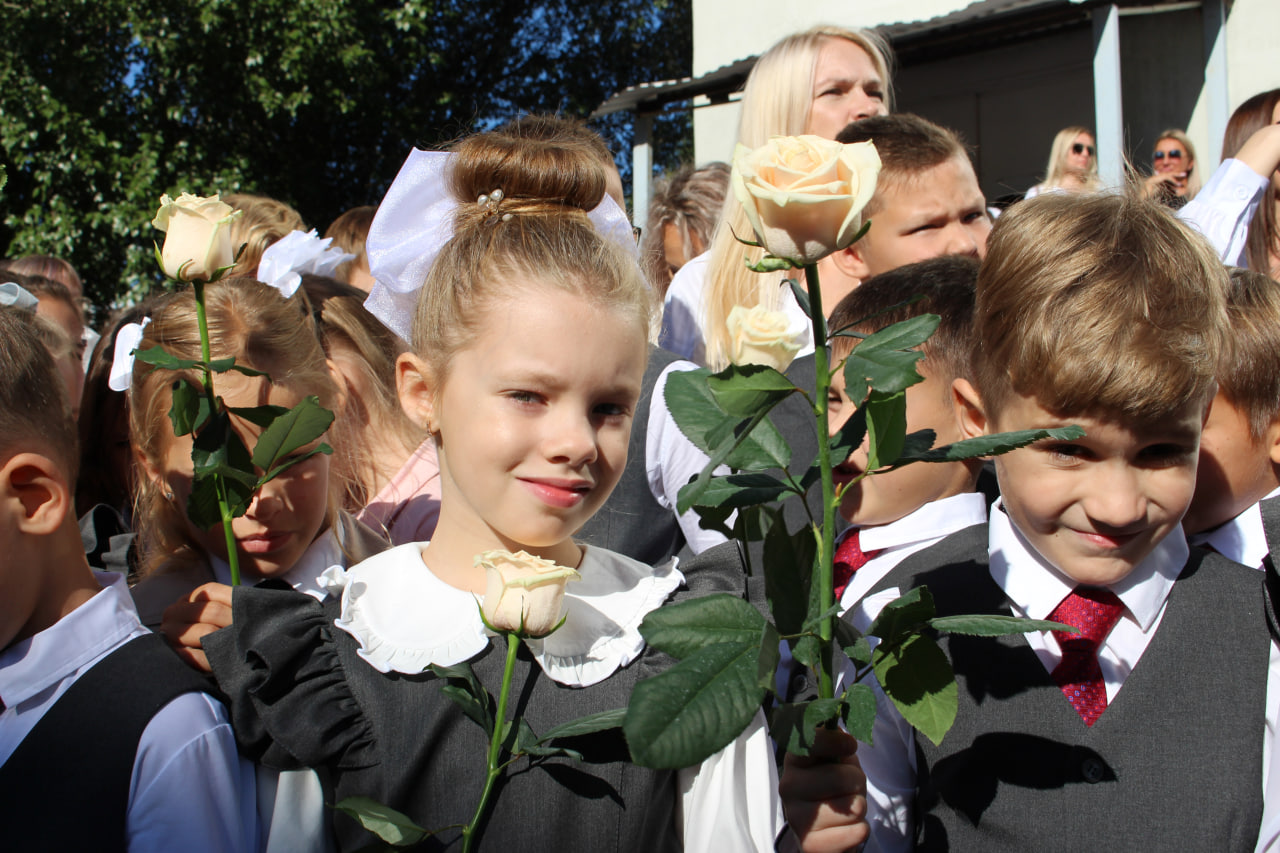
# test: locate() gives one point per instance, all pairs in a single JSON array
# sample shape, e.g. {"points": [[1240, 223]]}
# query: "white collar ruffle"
{"points": [[405, 618]]}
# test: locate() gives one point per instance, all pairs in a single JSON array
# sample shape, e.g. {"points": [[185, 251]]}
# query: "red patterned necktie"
{"points": [[1095, 611], [849, 558]]}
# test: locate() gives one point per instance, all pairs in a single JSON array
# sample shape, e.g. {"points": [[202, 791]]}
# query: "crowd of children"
{"points": [[502, 390]]}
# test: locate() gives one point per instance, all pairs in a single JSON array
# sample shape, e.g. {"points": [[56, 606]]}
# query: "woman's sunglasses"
{"points": [[1080, 148], [1175, 154]]}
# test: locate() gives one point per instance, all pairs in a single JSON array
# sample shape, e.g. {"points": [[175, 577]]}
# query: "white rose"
{"points": [[760, 336], [197, 240], [522, 586], [804, 195]]}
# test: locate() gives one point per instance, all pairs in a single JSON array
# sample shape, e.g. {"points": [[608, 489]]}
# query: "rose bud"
{"points": [[197, 239], [760, 336], [524, 589], [804, 195]]}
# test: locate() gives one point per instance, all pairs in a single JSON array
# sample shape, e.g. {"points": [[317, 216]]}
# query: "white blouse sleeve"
{"points": [[1223, 209], [730, 801], [683, 310], [671, 460]]}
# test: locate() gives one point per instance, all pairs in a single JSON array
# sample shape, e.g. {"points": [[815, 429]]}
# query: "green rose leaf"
{"points": [[202, 503], [854, 645], [788, 567], [918, 679], [190, 408], [682, 629], [587, 725], [887, 425], [860, 711], [807, 650], [845, 441], [801, 295], [903, 615], [218, 449], [753, 445], [794, 725], [260, 415], [993, 626], [383, 821], [742, 490], [701, 420], [528, 743], [696, 708], [296, 428], [744, 390], [884, 362], [770, 654], [158, 357], [466, 691], [992, 445]]}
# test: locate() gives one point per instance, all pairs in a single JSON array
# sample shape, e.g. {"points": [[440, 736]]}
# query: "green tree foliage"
{"points": [[105, 104]]}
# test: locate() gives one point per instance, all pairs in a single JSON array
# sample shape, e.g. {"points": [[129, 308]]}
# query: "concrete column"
{"points": [[1108, 110], [641, 169], [1216, 96]]}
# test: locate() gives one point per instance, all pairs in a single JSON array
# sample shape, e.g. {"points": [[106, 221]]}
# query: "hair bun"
{"points": [[540, 163]]}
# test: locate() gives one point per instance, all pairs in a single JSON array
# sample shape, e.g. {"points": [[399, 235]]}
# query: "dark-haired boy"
{"points": [[897, 513], [1104, 312], [107, 741]]}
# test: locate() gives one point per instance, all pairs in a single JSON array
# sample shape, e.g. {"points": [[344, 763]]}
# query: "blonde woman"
{"points": [[1174, 179], [1073, 164], [816, 82]]}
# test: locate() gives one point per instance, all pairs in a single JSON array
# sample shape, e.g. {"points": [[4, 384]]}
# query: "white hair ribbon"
{"points": [[415, 221], [127, 339], [284, 261], [14, 295]]}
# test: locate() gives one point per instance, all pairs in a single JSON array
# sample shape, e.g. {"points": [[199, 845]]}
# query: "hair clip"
{"points": [[14, 295], [490, 201], [127, 340]]}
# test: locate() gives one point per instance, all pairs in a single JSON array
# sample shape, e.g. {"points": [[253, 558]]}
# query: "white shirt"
{"points": [[1241, 539], [189, 789], [684, 312], [1223, 209], [914, 532], [671, 461], [1034, 588]]}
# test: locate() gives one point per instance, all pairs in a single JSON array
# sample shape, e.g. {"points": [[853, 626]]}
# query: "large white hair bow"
{"points": [[284, 261], [414, 222]]}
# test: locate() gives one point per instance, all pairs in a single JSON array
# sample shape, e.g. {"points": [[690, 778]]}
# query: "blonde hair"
{"points": [[1193, 174], [349, 233], [777, 101], [262, 222], [1098, 304], [1056, 169], [548, 186], [261, 329], [34, 409], [344, 324]]}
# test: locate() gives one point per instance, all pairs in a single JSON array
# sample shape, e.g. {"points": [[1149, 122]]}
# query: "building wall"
{"points": [[1010, 101]]}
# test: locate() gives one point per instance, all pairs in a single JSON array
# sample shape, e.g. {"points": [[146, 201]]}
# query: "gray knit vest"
{"points": [[1174, 763]]}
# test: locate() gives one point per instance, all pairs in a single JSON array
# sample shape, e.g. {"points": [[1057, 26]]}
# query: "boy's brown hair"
{"points": [[1249, 365], [34, 410], [1102, 304], [907, 145], [945, 286]]}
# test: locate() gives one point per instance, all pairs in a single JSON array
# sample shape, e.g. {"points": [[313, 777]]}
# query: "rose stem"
{"points": [[495, 742], [826, 541], [224, 507]]}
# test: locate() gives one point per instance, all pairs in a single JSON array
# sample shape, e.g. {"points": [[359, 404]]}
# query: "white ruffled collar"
{"points": [[405, 618]]}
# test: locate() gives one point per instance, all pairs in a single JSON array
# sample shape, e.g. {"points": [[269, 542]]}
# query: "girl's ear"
{"points": [[37, 488], [151, 469], [971, 417], [416, 388]]}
